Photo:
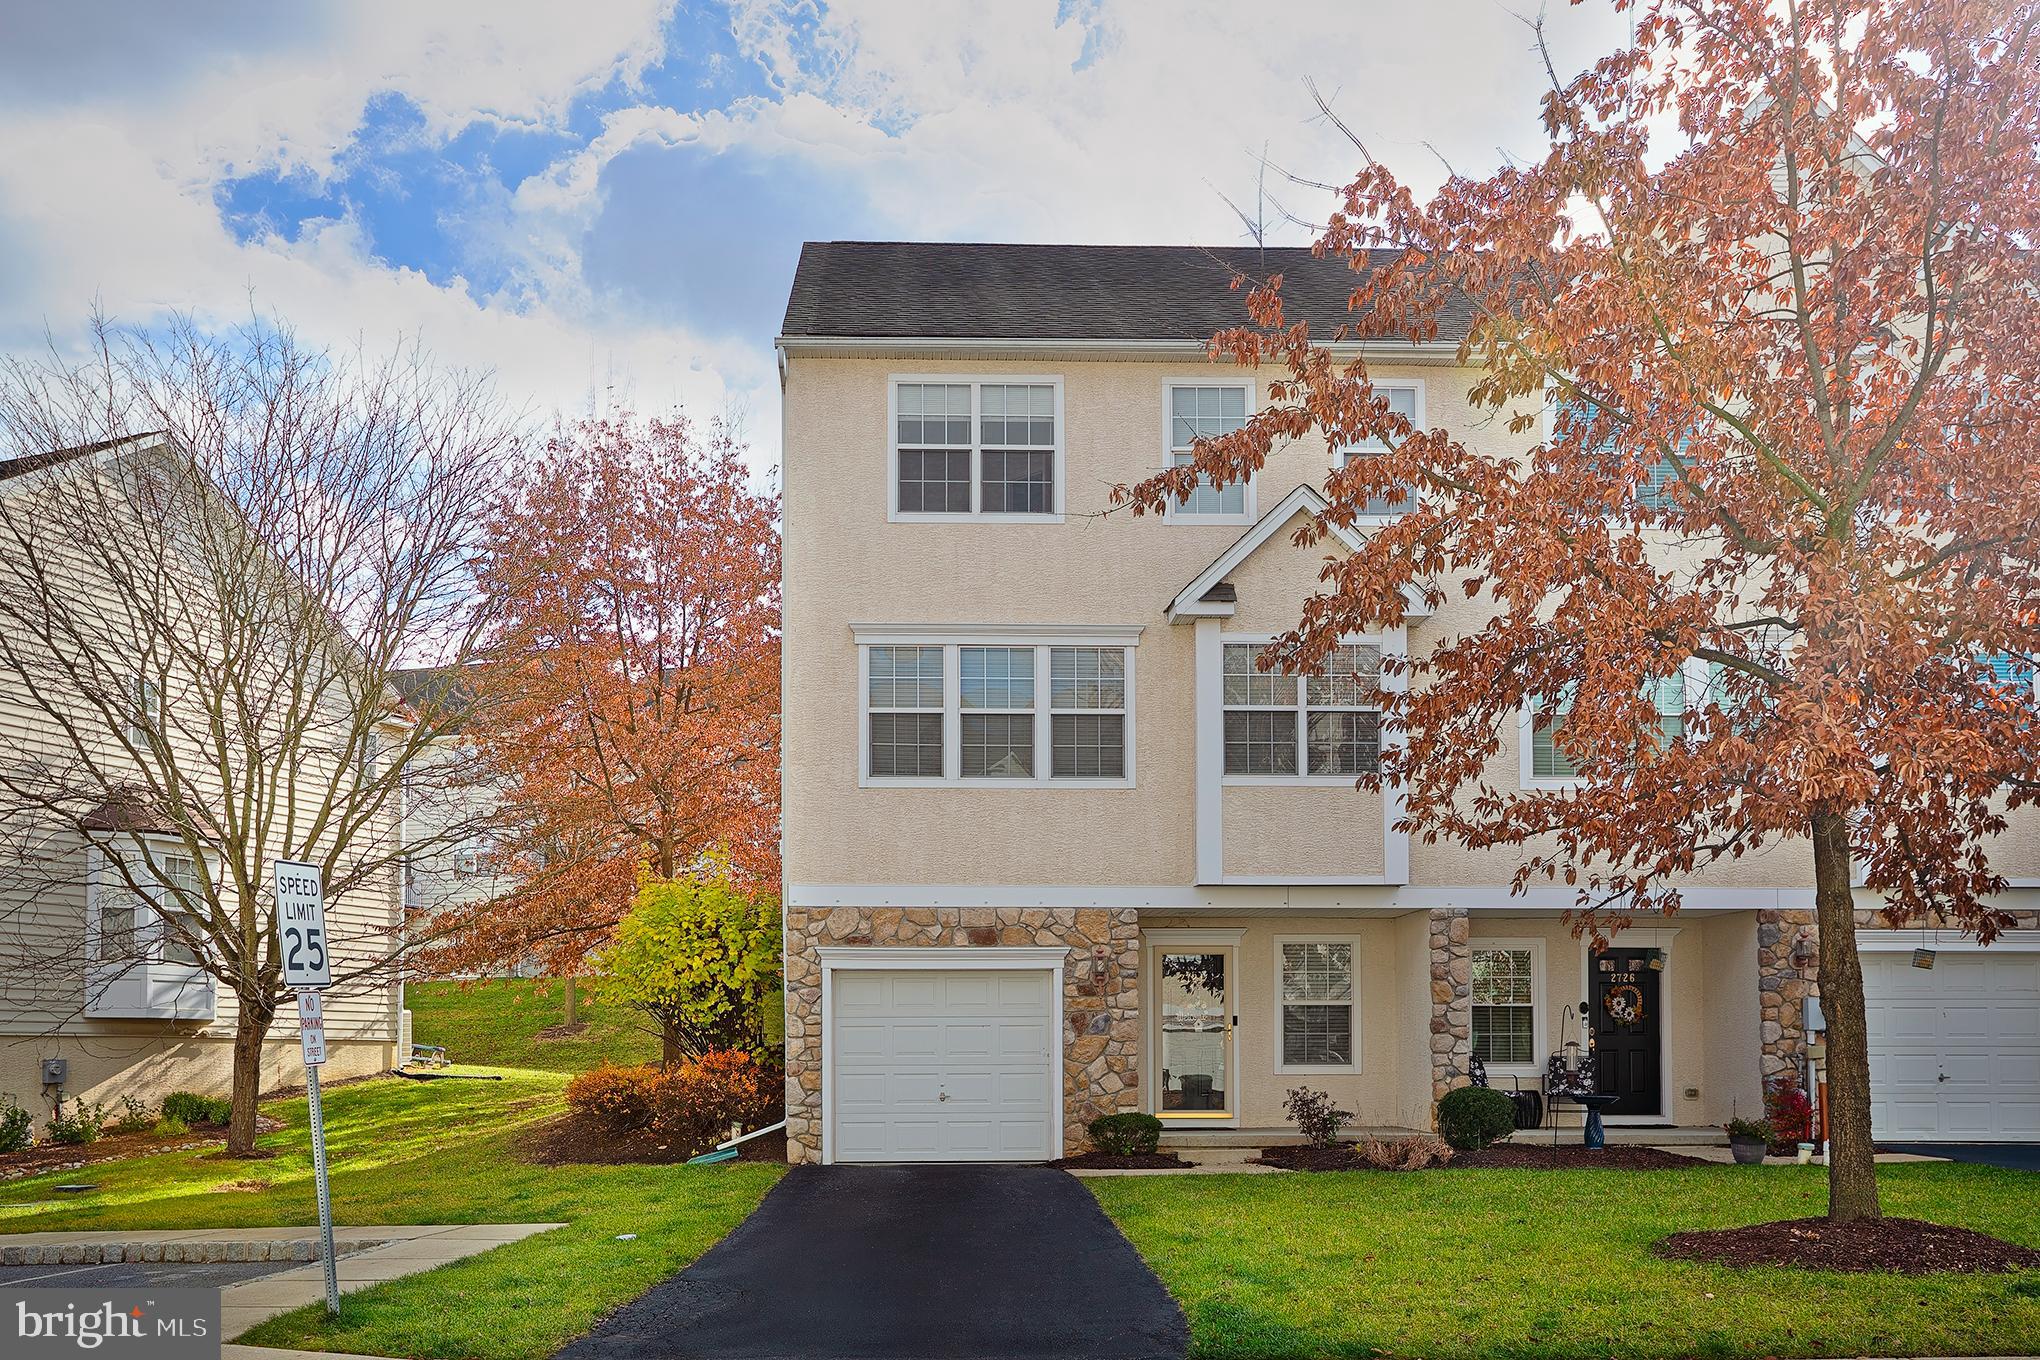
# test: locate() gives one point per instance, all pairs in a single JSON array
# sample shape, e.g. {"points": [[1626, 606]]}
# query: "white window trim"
{"points": [[1300, 779], [1170, 514], [1539, 1003], [152, 930], [1693, 671], [976, 382], [952, 640], [1341, 452], [1352, 942]]}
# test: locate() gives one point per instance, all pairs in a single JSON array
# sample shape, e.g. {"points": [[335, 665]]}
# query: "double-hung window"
{"points": [[1549, 763], [999, 710], [1407, 401], [1327, 725], [2011, 673], [977, 447], [1655, 491], [150, 920], [1504, 1003], [1317, 1003], [905, 694], [1197, 411]]}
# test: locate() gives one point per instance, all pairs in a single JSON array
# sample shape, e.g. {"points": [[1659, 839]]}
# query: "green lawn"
{"points": [[496, 1022], [1548, 1263], [435, 1152]]}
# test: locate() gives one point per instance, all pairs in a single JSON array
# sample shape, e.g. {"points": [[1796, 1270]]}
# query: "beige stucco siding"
{"points": [[1373, 1089], [1310, 832]]}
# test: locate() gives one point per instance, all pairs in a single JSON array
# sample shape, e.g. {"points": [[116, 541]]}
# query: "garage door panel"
{"points": [[1955, 1049], [938, 1065]]}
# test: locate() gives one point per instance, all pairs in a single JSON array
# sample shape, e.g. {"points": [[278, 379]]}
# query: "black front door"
{"points": [[1625, 998]]}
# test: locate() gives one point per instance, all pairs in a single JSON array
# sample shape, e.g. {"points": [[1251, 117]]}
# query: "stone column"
{"points": [[1784, 985], [1451, 1000]]}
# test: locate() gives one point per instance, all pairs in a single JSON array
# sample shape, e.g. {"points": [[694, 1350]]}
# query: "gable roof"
{"points": [[31, 462], [1210, 596], [975, 290]]}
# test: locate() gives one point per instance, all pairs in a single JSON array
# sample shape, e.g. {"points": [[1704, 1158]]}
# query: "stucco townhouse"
{"points": [[1055, 848]]}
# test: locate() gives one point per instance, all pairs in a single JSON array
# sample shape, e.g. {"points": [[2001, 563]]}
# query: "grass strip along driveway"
{"points": [[1558, 1263], [437, 1152]]}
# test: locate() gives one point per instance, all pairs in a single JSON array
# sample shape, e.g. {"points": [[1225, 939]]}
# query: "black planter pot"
{"points": [[1747, 1151]]}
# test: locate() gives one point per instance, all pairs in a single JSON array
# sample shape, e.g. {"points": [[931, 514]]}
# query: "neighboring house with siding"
{"points": [[94, 968], [1054, 848]]}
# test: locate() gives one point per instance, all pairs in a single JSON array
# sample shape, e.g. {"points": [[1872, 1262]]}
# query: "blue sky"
{"points": [[603, 204]]}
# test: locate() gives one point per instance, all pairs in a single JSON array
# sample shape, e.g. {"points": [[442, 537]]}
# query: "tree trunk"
{"points": [[671, 1051], [250, 1029], [1852, 1162], [573, 1002]]}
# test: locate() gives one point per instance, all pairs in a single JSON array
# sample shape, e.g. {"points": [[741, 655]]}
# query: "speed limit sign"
{"points": [[301, 924]]}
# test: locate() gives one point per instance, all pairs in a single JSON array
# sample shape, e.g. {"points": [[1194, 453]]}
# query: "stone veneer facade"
{"points": [[1783, 983], [1101, 998], [1451, 999]]}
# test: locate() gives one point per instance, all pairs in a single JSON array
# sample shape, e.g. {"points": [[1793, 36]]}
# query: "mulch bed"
{"points": [[575, 1140], [1137, 1161], [1502, 1156], [47, 1157], [573, 1030], [1899, 1246]]}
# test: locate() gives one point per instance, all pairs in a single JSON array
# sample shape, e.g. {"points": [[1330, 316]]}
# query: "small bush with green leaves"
{"points": [[195, 1109], [1126, 1135], [1748, 1130], [79, 1127], [1474, 1117], [134, 1117], [167, 1127], [17, 1125]]}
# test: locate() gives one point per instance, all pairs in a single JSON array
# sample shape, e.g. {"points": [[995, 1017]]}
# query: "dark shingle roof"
{"points": [[932, 290], [15, 467]]}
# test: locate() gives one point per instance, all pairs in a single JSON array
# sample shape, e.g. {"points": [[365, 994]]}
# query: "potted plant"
{"points": [[1747, 1139]]}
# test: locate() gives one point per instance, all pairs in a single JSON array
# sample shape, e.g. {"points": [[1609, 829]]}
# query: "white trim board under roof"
{"points": [[1208, 595]]}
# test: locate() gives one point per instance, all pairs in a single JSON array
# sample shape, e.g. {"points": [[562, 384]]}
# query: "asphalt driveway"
{"points": [[969, 1262], [2012, 1156]]}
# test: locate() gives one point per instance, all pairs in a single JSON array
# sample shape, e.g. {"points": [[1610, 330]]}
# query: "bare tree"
{"points": [[215, 552]]}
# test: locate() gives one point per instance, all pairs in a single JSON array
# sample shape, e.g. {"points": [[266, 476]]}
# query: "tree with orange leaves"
{"points": [[629, 718], [1764, 309]]}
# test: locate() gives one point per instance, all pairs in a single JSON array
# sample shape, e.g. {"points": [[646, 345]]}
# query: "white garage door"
{"points": [[1954, 1049], [934, 1066]]}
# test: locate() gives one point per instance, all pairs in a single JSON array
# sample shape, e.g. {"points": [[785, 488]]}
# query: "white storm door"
{"points": [[1954, 1049], [942, 1066]]}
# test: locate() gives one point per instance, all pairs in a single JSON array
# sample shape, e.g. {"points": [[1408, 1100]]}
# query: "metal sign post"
{"points": [[307, 970]]}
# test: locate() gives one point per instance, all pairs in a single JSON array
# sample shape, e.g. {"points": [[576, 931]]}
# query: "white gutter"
{"points": [[1434, 350]]}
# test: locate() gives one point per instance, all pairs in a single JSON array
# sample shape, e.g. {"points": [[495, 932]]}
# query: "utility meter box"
{"points": [[1811, 1020], [55, 1071]]}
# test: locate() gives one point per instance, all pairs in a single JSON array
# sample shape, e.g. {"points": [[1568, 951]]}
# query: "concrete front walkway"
{"points": [[363, 1256]]}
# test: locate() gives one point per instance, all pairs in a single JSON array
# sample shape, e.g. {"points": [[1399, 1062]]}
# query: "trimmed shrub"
{"points": [[195, 1109], [1317, 1118], [619, 1097], [695, 1103], [17, 1125], [692, 1104], [167, 1127], [1125, 1135], [1473, 1117]]}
